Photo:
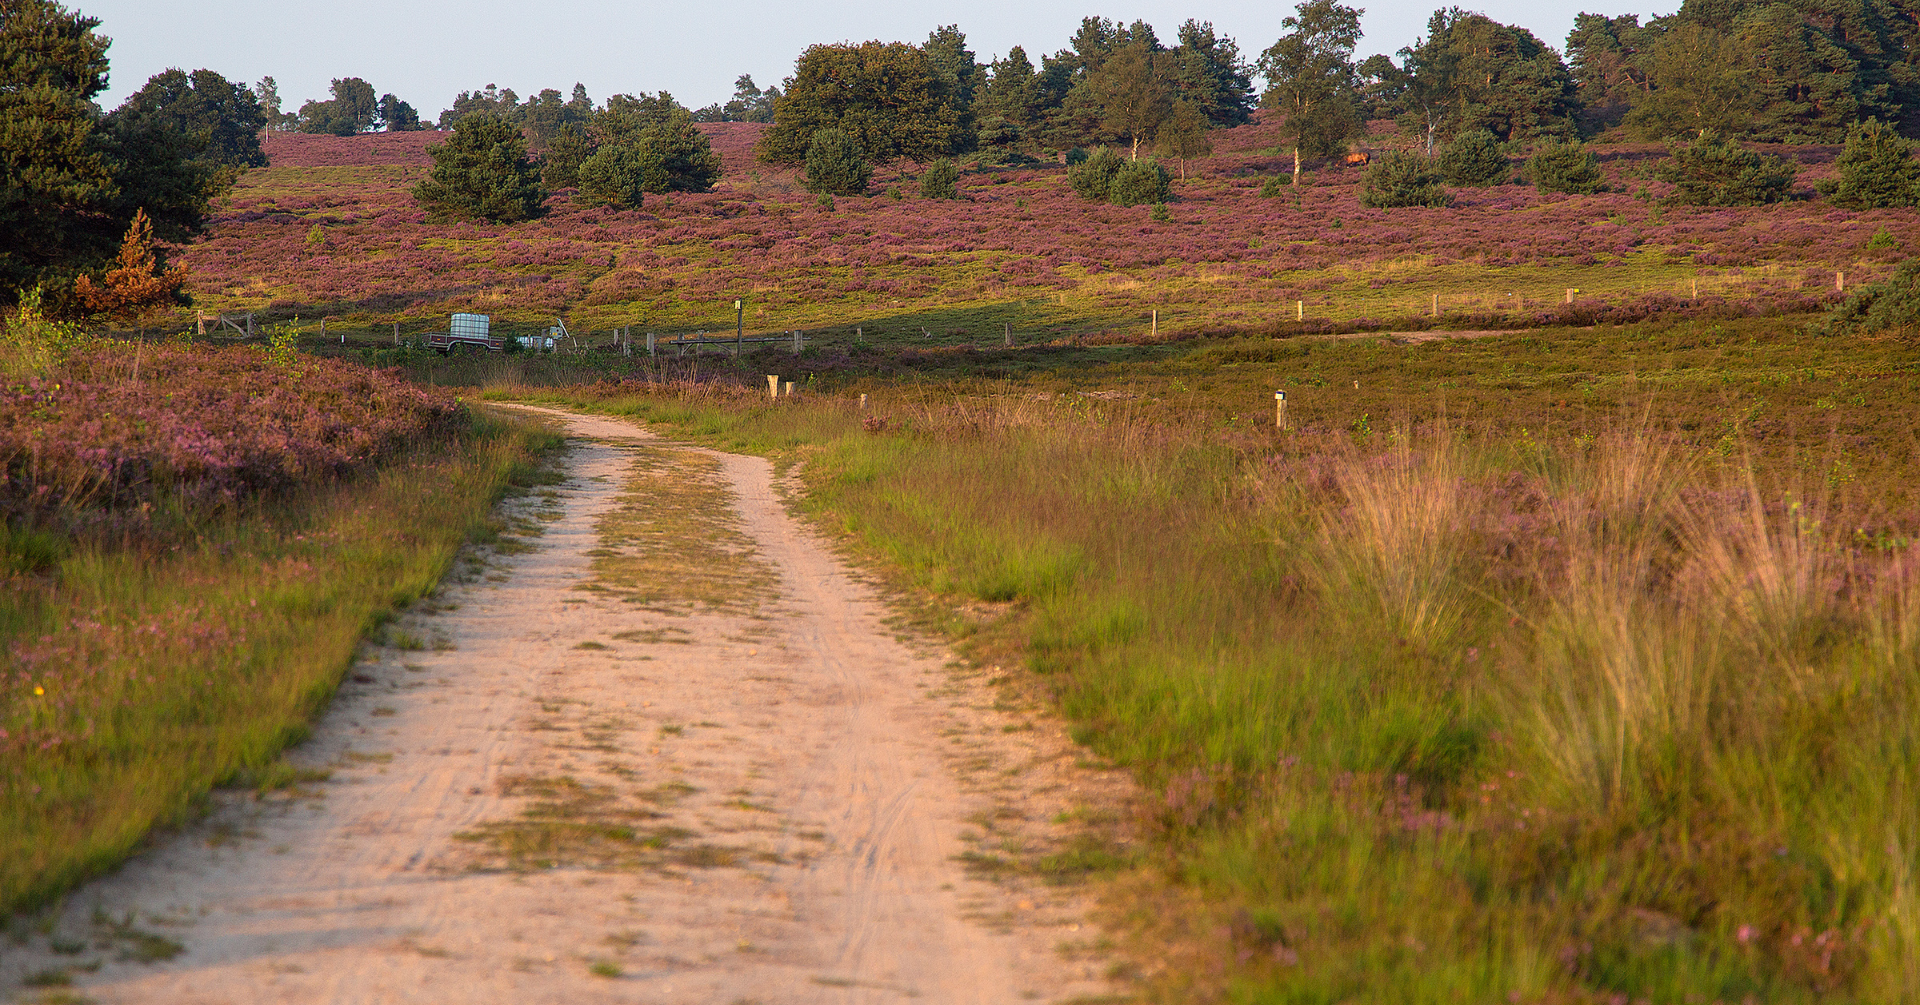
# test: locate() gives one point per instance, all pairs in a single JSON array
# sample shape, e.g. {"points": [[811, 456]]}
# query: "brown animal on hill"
{"points": [[1360, 158]]}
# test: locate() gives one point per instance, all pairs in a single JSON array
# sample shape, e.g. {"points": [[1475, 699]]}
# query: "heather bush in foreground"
{"points": [[1435, 714], [116, 431], [133, 679]]}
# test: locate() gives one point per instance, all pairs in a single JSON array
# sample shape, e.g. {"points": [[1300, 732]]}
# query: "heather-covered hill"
{"points": [[330, 229]]}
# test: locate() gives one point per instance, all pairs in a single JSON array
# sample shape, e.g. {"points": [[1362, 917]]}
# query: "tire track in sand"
{"points": [[596, 791]]}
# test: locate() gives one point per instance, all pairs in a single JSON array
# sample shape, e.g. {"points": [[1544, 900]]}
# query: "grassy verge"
{"points": [[1545, 706], [140, 676]]}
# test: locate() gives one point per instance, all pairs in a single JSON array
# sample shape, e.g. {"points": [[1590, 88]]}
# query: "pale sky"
{"points": [[426, 51]]}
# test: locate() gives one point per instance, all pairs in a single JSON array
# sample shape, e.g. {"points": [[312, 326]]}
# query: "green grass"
{"points": [[1537, 668], [185, 669]]}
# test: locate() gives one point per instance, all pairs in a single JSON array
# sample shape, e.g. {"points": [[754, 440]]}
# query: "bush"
{"points": [[1140, 182], [1713, 171], [1403, 178], [1890, 305], [1276, 186], [1092, 177], [620, 175], [1877, 170], [1475, 159], [836, 165], [1567, 168], [1077, 155], [482, 172], [942, 181]]}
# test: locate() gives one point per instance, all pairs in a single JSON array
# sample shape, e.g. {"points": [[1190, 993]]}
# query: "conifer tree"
{"points": [[482, 172], [139, 284]]}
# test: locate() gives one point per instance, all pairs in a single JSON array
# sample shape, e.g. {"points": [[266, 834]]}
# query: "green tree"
{"points": [[1010, 103], [1092, 178], [882, 95], [1311, 79], [1472, 72], [836, 164], [71, 179], [1475, 158], [223, 119], [1877, 170], [566, 151], [941, 181], [1209, 73], [956, 78], [620, 174], [352, 109], [1134, 89], [482, 172], [1716, 171], [396, 116], [546, 113], [1695, 80], [1890, 305], [268, 93], [1403, 178], [1140, 182], [492, 99], [1607, 57], [1567, 168], [1185, 134]]}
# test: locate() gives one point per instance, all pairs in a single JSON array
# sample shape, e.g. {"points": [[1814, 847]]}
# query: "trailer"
{"points": [[466, 330]]}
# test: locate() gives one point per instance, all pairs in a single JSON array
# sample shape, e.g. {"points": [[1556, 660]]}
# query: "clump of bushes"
{"points": [[1276, 186], [1091, 175], [1877, 170], [1402, 178], [1105, 176], [836, 165], [1475, 159], [1140, 182], [1715, 171], [1566, 168], [941, 181]]}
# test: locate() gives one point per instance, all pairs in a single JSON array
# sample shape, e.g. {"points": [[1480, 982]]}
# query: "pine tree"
{"points": [[1877, 170], [482, 172], [1185, 134], [1401, 179], [1475, 158], [882, 96], [836, 165], [1566, 168], [1713, 171], [139, 285], [941, 181]]}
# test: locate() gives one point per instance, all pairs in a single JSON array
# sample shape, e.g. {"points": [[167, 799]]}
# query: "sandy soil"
{"points": [[552, 787]]}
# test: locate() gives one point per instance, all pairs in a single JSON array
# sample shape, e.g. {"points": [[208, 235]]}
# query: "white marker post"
{"points": [[1280, 409]]}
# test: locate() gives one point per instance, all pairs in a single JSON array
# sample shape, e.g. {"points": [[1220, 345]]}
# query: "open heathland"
{"points": [[1547, 667], [330, 230]]}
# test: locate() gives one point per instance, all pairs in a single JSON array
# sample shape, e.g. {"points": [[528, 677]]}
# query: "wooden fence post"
{"points": [[1839, 282], [1299, 310], [1009, 345], [1156, 323], [1280, 409], [773, 386]]}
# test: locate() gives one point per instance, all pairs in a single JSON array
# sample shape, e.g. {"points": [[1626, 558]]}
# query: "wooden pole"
{"points": [[1280, 409], [1570, 292], [1696, 288], [1156, 323], [1436, 305], [863, 403], [796, 342], [739, 325], [789, 389], [1840, 282], [773, 387], [1299, 310], [1009, 325]]}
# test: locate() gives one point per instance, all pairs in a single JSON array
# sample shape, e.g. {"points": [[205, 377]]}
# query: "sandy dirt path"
{"points": [[662, 747]]}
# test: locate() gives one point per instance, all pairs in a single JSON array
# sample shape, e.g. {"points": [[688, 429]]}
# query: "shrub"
{"points": [[1403, 178], [1877, 170], [1713, 171], [1140, 182], [1567, 168], [620, 175], [566, 152], [482, 172], [836, 165], [942, 181], [1476, 159], [1077, 155], [1092, 177], [1276, 186], [1890, 305]]}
